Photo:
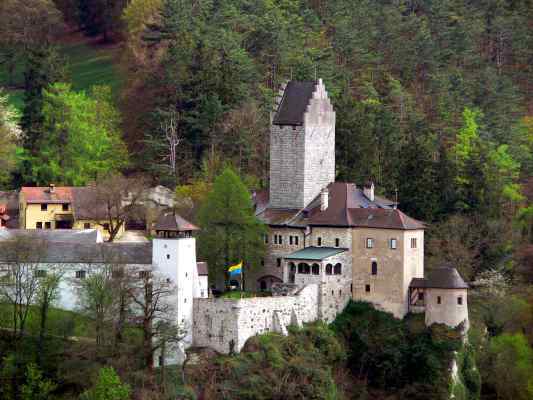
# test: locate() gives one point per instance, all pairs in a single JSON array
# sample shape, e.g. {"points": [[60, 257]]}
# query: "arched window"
{"points": [[374, 267], [263, 285], [292, 267], [301, 268], [307, 269], [329, 269], [316, 269], [337, 270]]}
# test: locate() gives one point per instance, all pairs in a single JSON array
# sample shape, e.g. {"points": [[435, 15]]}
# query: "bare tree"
{"points": [[174, 137], [47, 295], [111, 201], [21, 277], [95, 297], [154, 296]]}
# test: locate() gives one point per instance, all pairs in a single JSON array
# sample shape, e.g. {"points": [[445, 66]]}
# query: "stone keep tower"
{"points": [[302, 145]]}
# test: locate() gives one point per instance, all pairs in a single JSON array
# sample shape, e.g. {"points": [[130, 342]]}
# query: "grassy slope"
{"points": [[88, 65]]}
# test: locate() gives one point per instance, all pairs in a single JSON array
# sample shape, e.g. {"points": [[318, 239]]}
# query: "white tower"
{"points": [[174, 257]]}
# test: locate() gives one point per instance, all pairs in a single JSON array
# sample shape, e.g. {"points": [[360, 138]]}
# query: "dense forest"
{"points": [[434, 103]]}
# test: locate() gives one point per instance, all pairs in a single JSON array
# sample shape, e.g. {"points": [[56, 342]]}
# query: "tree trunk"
{"points": [[147, 344], [42, 330]]}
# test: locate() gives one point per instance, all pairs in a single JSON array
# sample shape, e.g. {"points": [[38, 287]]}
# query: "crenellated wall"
{"points": [[226, 324]]}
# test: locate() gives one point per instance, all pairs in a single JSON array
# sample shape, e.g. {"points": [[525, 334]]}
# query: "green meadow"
{"points": [[88, 65]]}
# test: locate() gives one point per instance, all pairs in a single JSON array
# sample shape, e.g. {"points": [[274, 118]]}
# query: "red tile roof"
{"points": [[38, 195], [347, 207]]}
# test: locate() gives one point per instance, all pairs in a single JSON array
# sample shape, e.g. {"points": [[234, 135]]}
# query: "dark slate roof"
{"points": [[347, 207], [201, 266], [72, 253], [173, 222], [440, 278], [86, 236], [294, 103], [315, 253]]}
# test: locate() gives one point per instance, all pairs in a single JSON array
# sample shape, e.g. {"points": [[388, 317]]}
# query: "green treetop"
{"points": [[230, 230]]}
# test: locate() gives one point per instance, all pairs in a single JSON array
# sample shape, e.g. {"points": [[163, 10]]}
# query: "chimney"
{"points": [[368, 190], [324, 199], [52, 188]]}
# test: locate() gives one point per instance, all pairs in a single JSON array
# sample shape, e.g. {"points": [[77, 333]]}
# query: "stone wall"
{"points": [[275, 252], [287, 156], [387, 290], [225, 324]]}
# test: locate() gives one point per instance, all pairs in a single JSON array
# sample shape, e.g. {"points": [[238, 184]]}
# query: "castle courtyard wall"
{"points": [[226, 324]]}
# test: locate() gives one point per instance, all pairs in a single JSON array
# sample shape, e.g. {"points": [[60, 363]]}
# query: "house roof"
{"points": [[440, 278], [38, 195], [294, 103], [201, 266], [86, 253], [87, 236], [314, 253], [347, 207], [173, 222]]}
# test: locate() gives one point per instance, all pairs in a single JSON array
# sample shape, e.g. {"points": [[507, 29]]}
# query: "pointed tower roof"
{"points": [[173, 222], [296, 97]]}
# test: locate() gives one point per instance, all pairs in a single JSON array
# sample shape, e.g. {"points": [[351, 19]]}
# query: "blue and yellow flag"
{"points": [[235, 269]]}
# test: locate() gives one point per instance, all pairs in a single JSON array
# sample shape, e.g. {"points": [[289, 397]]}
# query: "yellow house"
{"points": [[61, 208]]}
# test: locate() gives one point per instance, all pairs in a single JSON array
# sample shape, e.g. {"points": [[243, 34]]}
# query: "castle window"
{"points": [[65, 207], [307, 269], [367, 288], [39, 225], [278, 262], [275, 239], [316, 269], [296, 240], [81, 274], [290, 240], [47, 225], [337, 270], [40, 273], [87, 225], [168, 256], [337, 242], [374, 267], [280, 239], [439, 300], [421, 296], [393, 244], [413, 243], [340, 292], [304, 268], [44, 207], [319, 241], [329, 269], [292, 267], [460, 301], [144, 274], [369, 243]]}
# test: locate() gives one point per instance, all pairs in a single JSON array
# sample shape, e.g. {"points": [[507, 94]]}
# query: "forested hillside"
{"points": [[434, 103]]}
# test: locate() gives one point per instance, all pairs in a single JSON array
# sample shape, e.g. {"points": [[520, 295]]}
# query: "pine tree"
{"points": [[230, 231]]}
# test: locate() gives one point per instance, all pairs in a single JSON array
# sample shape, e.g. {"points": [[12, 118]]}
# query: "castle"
{"points": [[328, 241]]}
